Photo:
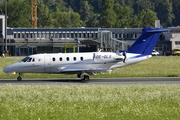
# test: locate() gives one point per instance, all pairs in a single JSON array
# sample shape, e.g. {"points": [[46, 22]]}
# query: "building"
{"points": [[174, 37], [26, 41]]}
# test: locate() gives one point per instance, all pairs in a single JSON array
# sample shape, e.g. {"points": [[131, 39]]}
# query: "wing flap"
{"points": [[73, 70]]}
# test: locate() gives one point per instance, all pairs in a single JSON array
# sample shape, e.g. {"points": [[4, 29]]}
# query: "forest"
{"points": [[93, 13]]}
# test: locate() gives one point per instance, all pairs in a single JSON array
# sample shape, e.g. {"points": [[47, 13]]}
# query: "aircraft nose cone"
{"points": [[6, 69], [10, 69]]}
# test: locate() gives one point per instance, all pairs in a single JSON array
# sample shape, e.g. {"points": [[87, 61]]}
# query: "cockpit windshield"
{"points": [[28, 59]]}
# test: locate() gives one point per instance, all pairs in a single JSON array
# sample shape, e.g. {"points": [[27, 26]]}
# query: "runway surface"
{"points": [[93, 81]]}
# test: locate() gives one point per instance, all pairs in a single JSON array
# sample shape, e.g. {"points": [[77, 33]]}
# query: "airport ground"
{"points": [[147, 90], [158, 66], [94, 81], [67, 102]]}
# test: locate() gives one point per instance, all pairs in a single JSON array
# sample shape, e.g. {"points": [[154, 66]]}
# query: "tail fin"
{"points": [[146, 42]]}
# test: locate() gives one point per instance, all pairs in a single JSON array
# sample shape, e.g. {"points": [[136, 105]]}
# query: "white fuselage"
{"points": [[72, 63]]}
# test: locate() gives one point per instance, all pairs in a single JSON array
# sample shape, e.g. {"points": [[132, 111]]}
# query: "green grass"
{"points": [[131, 102], [160, 66], [95, 102]]}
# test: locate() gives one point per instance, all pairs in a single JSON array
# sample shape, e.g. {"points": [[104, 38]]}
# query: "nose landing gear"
{"points": [[19, 78]]}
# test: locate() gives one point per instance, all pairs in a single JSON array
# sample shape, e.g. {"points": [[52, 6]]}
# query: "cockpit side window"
{"points": [[25, 59], [28, 59]]}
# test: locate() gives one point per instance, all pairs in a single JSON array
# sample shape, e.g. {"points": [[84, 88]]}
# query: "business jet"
{"points": [[90, 63]]}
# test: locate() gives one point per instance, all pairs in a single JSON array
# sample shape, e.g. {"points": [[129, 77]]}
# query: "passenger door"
{"points": [[47, 63]]}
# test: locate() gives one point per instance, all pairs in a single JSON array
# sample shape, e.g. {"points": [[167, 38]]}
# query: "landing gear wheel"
{"points": [[19, 78], [78, 75], [85, 78]]}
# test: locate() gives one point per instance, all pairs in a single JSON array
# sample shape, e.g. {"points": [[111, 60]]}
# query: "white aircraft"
{"points": [[90, 63]]}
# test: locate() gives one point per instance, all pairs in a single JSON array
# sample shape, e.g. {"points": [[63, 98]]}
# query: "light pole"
{"points": [[122, 38], [5, 25], [78, 44], [123, 42]]}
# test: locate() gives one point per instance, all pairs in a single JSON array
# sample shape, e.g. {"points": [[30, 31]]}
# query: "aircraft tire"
{"points": [[79, 75], [85, 78]]}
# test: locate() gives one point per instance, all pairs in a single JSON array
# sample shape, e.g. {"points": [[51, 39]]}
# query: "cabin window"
{"points": [[67, 58], [74, 58], [81, 58], [33, 60], [53, 59], [60, 58]]}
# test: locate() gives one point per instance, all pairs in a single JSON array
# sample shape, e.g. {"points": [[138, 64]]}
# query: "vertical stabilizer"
{"points": [[147, 41]]}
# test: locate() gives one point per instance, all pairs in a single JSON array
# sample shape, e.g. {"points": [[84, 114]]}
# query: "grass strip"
{"points": [[90, 102]]}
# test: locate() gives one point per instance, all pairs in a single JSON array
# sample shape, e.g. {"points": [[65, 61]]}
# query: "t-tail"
{"points": [[147, 41]]}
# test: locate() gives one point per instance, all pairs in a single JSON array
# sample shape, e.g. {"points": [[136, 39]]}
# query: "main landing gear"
{"points": [[124, 54], [19, 78], [84, 78]]}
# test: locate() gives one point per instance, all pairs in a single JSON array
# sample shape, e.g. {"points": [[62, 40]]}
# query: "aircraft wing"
{"points": [[97, 69], [85, 68], [95, 66]]}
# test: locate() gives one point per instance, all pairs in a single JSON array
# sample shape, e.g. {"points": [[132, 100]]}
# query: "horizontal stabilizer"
{"points": [[155, 30], [147, 41]]}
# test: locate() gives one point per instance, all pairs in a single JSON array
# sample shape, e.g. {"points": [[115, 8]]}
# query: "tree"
{"points": [[61, 5], [147, 18], [176, 11], [108, 16], [18, 13], [75, 19], [93, 21], [52, 4], [48, 2], [74, 4], [135, 21], [93, 13], [86, 12], [66, 19], [140, 5], [123, 14], [128, 3], [97, 4], [164, 11], [44, 16]]}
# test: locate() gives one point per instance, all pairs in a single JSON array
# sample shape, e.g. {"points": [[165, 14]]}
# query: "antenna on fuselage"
{"points": [[99, 50]]}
